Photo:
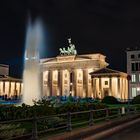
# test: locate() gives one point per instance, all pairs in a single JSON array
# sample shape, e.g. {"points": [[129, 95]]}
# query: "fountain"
{"points": [[31, 73]]}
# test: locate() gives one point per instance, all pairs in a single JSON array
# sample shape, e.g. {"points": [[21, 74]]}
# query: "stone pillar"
{"points": [[20, 90], [100, 88], [123, 91], [93, 87], [126, 93], [3, 87], [119, 87], [110, 85], [15, 89], [42, 84], [9, 89], [50, 82], [74, 79], [85, 82], [71, 82], [60, 82], [0, 88], [45, 87], [123, 88]]}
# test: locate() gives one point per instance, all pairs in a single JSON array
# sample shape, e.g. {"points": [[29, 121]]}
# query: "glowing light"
{"points": [[138, 89], [26, 58]]}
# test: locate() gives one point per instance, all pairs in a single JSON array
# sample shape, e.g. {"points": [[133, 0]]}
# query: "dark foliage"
{"points": [[109, 100], [136, 100]]}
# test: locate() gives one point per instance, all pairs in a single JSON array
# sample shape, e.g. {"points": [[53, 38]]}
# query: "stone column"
{"points": [[74, 79], [123, 88], [71, 81], [20, 90], [3, 87], [60, 82], [119, 87], [0, 88], [110, 85], [85, 82], [42, 84], [50, 82], [126, 91], [15, 91], [1, 84], [9, 89], [100, 88], [93, 87]]}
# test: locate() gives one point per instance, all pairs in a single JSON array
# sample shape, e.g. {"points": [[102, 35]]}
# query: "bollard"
{"points": [[107, 114], [119, 112], [34, 128], [123, 111], [91, 122], [69, 128]]}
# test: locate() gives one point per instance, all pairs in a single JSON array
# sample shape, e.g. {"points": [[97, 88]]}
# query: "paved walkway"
{"points": [[82, 133], [130, 133]]}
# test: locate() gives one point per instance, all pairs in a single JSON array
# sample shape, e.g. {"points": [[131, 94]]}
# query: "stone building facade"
{"points": [[9, 86], [108, 82], [133, 70], [69, 74]]}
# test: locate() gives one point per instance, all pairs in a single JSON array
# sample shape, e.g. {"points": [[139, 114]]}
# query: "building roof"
{"points": [[3, 65], [68, 58], [107, 71], [8, 78], [133, 49]]}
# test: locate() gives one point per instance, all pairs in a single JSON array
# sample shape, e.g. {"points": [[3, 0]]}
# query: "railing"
{"points": [[67, 121]]}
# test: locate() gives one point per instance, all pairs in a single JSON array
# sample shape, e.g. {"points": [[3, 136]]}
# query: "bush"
{"points": [[109, 100], [50, 122], [10, 130], [136, 100], [75, 107]]}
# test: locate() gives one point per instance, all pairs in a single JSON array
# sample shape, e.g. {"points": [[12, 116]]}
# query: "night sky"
{"points": [[104, 26]]}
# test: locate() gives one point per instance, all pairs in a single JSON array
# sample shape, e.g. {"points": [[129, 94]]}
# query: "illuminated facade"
{"points": [[69, 74], [133, 69], [9, 86], [108, 82]]}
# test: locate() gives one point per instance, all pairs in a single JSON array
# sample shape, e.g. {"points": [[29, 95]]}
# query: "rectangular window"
{"points": [[132, 66], [138, 55], [132, 56], [133, 92], [106, 82], [137, 67], [133, 78]]}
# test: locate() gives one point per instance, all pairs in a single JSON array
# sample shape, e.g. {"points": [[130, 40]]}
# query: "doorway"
{"points": [[106, 92]]}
